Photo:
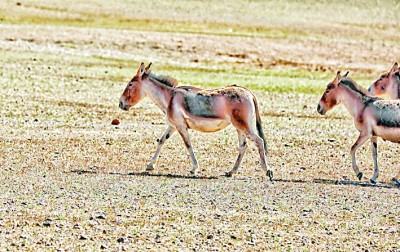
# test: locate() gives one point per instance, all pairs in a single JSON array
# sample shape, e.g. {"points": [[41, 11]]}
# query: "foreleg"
{"points": [[167, 134], [360, 141]]}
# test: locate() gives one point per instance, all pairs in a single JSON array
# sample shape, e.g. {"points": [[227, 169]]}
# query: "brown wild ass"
{"points": [[388, 83], [203, 110], [373, 117]]}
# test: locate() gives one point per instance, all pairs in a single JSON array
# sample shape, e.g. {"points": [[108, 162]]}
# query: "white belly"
{"points": [[206, 124], [389, 134]]}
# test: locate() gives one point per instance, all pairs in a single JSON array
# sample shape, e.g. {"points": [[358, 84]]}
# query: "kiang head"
{"points": [[134, 92], [385, 81], [330, 97]]}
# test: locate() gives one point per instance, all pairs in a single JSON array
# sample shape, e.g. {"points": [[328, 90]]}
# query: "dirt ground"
{"points": [[71, 181]]}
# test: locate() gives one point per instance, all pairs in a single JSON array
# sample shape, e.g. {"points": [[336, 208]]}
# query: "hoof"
{"points": [[359, 175], [192, 172], [150, 167], [372, 181], [397, 182], [270, 174], [228, 174]]}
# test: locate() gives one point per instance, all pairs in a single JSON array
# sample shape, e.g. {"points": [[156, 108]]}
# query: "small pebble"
{"points": [[115, 122]]}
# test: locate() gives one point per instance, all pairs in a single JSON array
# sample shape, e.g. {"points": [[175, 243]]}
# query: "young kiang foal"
{"points": [[388, 83], [373, 117], [203, 110]]}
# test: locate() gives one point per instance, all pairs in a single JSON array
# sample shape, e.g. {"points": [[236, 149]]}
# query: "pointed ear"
{"points": [[346, 74], [140, 71], [337, 78], [147, 69], [394, 68]]}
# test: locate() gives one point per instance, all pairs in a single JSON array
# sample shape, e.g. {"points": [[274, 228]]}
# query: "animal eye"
{"points": [[327, 91], [130, 85], [383, 88]]}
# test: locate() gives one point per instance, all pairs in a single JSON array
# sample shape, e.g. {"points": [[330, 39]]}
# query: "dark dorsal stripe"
{"points": [[365, 96], [354, 86], [164, 79]]}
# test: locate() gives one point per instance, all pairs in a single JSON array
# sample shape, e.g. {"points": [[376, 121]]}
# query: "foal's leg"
{"points": [[360, 141], [185, 136], [242, 150], [374, 143], [167, 134]]}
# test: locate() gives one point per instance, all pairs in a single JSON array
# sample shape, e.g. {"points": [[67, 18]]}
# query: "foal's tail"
{"points": [[258, 124]]}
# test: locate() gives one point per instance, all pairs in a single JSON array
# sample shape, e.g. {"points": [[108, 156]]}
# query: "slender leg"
{"points": [[374, 143], [397, 179], [260, 145], [185, 136], [242, 151], [243, 122], [167, 134], [360, 141]]}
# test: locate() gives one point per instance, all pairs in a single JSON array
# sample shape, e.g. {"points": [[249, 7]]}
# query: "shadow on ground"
{"points": [[316, 181]]}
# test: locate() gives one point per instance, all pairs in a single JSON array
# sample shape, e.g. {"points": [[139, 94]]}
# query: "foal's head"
{"points": [[384, 83], [133, 92], [329, 99]]}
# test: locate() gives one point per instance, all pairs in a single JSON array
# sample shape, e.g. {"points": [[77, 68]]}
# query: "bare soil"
{"points": [[69, 180]]}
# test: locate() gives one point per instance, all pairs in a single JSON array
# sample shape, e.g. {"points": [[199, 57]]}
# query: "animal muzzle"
{"points": [[123, 106], [321, 109], [371, 90]]}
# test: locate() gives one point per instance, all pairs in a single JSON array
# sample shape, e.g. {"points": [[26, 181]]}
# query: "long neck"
{"points": [[159, 93], [352, 100]]}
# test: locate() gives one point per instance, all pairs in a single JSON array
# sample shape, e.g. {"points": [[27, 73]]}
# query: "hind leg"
{"points": [[242, 151], [374, 143], [242, 120], [259, 142], [185, 136]]}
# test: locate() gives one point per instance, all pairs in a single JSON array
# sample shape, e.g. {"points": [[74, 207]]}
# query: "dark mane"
{"points": [[164, 79], [346, 81]]}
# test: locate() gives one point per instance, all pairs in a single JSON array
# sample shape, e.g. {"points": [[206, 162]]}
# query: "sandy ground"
{"points": [[70, 181], [315, 54]]}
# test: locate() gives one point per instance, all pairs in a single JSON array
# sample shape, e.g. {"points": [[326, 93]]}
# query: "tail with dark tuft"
{"points": [[259, 125]]}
